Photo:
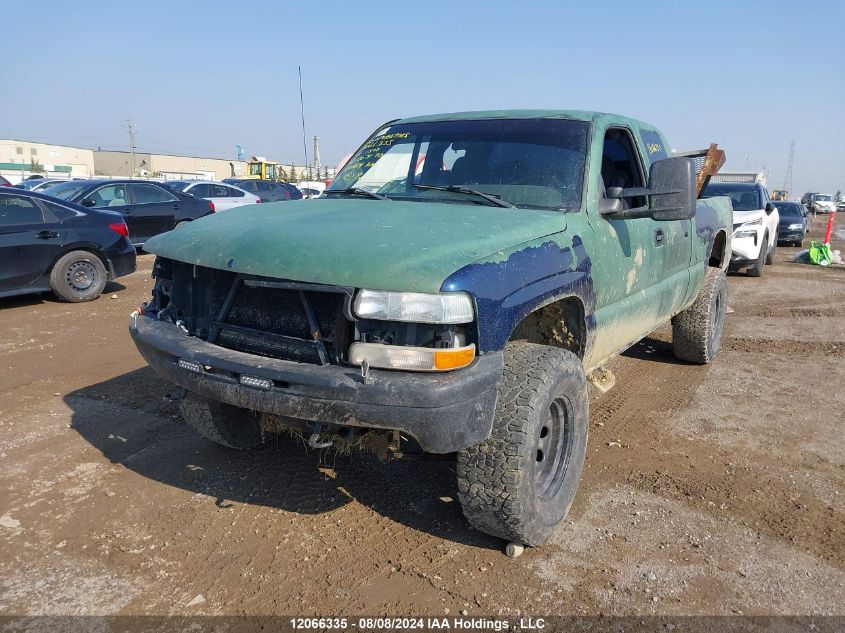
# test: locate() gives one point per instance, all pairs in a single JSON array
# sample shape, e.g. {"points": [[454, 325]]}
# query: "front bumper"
{"points": [[444, 412], [790, 235]]}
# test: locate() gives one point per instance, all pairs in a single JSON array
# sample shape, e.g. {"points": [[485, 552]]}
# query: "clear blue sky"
{"points": [[199, 77]]}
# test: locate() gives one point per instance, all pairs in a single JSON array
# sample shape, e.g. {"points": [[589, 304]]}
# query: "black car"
{"points": [[267, 190], [149, 208], [793, 224], [48, 244]]}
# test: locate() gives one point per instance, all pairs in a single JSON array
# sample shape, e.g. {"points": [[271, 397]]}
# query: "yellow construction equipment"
{"points": [[780, 194], [260, 167]]}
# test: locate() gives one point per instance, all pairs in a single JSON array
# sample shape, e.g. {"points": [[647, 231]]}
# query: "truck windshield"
{"points": [[531, 163], [822, 198]]}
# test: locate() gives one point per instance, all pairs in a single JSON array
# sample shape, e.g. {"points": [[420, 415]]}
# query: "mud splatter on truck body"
{"points": [[454, 256]]}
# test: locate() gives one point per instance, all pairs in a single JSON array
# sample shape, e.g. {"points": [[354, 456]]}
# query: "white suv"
{"points": [[755, 235]]}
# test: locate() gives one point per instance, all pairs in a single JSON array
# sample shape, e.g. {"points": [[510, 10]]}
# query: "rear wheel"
{"points": [[697, 331], [520, 483], [78, 276], [222, 423]]}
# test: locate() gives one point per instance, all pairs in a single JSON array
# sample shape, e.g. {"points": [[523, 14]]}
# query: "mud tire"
{"points": [[505, 488], [697, 331], [222, 423], [78, 276]]}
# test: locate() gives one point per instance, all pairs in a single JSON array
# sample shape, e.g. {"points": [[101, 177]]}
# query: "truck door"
{"points": [[672, 239], [628, 264]]}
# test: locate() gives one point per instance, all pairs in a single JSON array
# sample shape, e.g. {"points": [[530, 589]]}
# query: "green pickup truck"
{"points": [[452, 290]]}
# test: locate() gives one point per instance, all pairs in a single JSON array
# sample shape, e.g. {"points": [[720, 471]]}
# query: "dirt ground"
{"points": [[707, 490]]}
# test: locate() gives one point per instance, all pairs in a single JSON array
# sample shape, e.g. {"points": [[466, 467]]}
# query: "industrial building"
{"points": [[168, 167], [20, 159]]}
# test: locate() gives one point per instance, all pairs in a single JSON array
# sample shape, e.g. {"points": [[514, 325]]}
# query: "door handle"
{"points": [[46, 235], [175, 207], [658, 237], [127, 212]]}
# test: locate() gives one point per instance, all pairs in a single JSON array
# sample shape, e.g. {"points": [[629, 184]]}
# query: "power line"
{"points": [[131, 131], [302, 111]]}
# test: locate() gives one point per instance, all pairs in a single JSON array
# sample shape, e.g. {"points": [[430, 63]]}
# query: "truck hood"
{"points": [[384, 245]]}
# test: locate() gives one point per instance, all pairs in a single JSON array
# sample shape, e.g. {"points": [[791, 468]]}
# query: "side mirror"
{"points": [[769, 208], [671, 185], [610, 205], [87, 202]]}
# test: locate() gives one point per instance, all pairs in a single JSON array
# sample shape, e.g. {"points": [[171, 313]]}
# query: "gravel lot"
{"points": [[707, 490]]}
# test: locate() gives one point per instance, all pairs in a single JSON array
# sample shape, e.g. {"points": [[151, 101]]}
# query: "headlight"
{"points": [[411, 358], [794, 227], [416, 307], [756, 222]]}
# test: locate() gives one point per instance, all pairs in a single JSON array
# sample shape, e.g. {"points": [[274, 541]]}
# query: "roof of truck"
{"points": [[577, 115]]}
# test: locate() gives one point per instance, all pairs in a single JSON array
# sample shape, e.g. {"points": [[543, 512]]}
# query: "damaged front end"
{"points": [[321, 361]]}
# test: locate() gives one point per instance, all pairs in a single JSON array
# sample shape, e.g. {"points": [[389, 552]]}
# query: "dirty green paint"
{"points": [[415, 246], [396, 245]]}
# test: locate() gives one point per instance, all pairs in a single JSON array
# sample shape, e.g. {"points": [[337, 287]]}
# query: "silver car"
{"points": [[222, 195]]}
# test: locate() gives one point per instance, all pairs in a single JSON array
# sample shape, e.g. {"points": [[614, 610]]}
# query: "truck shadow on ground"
{"points": [[654, 350], [134, 422]]}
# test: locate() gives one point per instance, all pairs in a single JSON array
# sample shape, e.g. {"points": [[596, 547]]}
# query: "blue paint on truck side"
{"points": [[507, 291]]}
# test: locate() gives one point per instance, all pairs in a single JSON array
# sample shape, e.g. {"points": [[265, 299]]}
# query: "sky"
{"points": [[199, 78]]}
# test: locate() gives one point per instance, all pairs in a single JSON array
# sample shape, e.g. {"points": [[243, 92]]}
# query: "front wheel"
{"points": [[78, 276], [520, 483], [697, 331]]}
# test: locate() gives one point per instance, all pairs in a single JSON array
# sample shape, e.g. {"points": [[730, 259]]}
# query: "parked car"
{"points": [[463, 305], [38, 184], [793, 225], [149, 208], [755, 224], [267, 190], [48, 244], [309, 194], [222, 195], [293, 191], [311, 188], [818, 202], [840, 206]]}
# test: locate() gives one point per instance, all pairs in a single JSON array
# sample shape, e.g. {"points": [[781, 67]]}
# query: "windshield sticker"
{"points": [[654, 145], [369, 155]]}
